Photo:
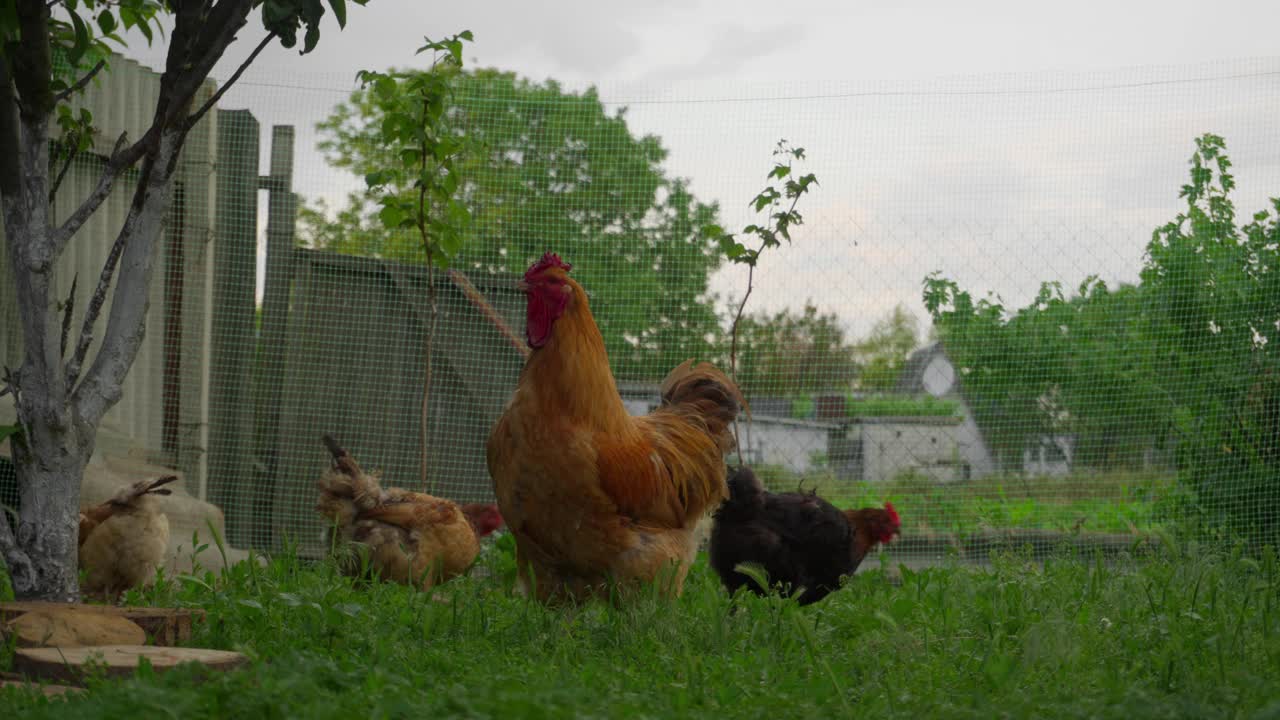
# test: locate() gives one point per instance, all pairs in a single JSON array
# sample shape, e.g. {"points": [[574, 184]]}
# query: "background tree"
{"points": [[61, 393], [792, 353], [882, 354], [547, 169], [1185, 359], [1213, 297]]}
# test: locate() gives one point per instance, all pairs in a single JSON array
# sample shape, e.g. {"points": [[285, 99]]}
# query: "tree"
{"points": [[61, 393], [1083, 366], [542, 169], [414, 107], [882, 354], [794, 353], [1213, 297], [1188, 357]]}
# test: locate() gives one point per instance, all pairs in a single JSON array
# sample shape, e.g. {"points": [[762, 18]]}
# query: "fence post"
{"points": [[235, 274], [282, 213]]}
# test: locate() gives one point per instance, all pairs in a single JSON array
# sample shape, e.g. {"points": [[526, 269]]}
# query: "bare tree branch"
{"points": [[62, 174], [121, 159], [80, 83], [95, 306], [211, 102], [67, 309], [134, 252], [191, 58]]}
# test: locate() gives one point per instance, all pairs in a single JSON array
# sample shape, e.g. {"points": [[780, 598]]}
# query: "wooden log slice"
{"points": [[49, 690], [71, 664], [163, 626], [71, 627]]}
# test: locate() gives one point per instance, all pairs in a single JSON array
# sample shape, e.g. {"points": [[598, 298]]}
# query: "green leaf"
{"points": [[78, 50], [106, 22], [391, 216], [339, 12], [7, 431]]}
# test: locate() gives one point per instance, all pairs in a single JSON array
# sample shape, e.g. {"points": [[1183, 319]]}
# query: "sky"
{"points": [[999, 143]]}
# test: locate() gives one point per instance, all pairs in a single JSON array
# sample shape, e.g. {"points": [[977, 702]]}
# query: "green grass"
{"points": [[1113, 503], [1192, 633]]}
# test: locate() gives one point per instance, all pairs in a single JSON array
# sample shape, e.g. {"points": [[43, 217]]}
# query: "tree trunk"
{"points": [[50, 465], [59, 422], [40, 549]]}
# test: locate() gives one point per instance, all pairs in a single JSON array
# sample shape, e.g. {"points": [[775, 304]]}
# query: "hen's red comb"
{"points": [[548, 261], [893, 514]]}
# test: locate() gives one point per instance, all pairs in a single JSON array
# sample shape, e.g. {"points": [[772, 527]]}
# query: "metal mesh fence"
{"points": [[975, 321]]}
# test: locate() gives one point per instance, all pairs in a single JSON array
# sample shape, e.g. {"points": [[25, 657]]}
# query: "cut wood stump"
{"points": [[72, 627], [15, 680], [72, 664], [163, 626]]}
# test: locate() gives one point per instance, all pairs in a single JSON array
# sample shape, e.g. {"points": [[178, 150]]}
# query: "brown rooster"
{"points": [[801, 542], [410, 538], [598, 499], [123, 540]]}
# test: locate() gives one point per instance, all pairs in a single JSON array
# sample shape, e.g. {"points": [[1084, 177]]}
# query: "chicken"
{"points": [[123, 540], [801, 541], [407, 537], [599, 501]]}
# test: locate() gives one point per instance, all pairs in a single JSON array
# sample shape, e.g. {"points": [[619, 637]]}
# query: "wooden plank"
{"points": [[72, 664], [164, 626]]}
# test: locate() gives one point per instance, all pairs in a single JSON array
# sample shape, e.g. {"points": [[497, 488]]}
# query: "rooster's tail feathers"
{"points": [[347, 481], [705, 391], [150, 486]]}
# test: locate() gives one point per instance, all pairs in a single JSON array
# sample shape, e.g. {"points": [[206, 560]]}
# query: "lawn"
{"points": [[1190, 633], [1110, 502]]}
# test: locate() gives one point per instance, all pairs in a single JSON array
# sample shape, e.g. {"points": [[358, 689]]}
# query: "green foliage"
{"points": [[790, 353], [781, 216], [283, 18], [1189, 634], [1213, 290], [541, 168], [1186, 359], [412, 106], [1083, 366], [883, 353], [6, 431], [1120, 502]]}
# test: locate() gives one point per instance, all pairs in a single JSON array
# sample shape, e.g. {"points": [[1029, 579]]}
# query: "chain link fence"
{"points": [[976, 320]]}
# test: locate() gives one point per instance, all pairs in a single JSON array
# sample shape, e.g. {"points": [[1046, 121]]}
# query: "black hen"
{"points": [[797, 538]]}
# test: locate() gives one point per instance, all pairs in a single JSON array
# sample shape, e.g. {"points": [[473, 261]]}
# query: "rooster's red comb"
{"points": [[548, 260], [893, 514]]}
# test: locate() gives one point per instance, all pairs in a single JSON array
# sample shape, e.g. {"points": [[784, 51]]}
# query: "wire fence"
{"points": [[975, 322]]}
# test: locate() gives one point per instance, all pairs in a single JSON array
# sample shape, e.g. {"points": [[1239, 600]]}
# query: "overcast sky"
{"points": [[1003, 143]]}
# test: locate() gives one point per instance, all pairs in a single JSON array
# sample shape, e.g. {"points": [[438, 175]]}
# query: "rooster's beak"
{"points": [[522, 286]]}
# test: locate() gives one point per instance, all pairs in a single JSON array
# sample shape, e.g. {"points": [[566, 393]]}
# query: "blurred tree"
{"points": [[883, 353], [794, 353]]}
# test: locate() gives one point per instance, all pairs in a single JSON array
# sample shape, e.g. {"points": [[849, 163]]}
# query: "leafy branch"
{"points": [[768, 235], [415, 108]]}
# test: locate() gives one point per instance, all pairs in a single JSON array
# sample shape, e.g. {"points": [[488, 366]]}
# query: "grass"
{"points": [[1114, 503], [1190, 634]]}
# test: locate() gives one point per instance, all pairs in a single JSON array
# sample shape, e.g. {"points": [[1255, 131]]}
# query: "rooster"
{"points": [[596, 499], [410, 538], [123, 540], [800, 540]]}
